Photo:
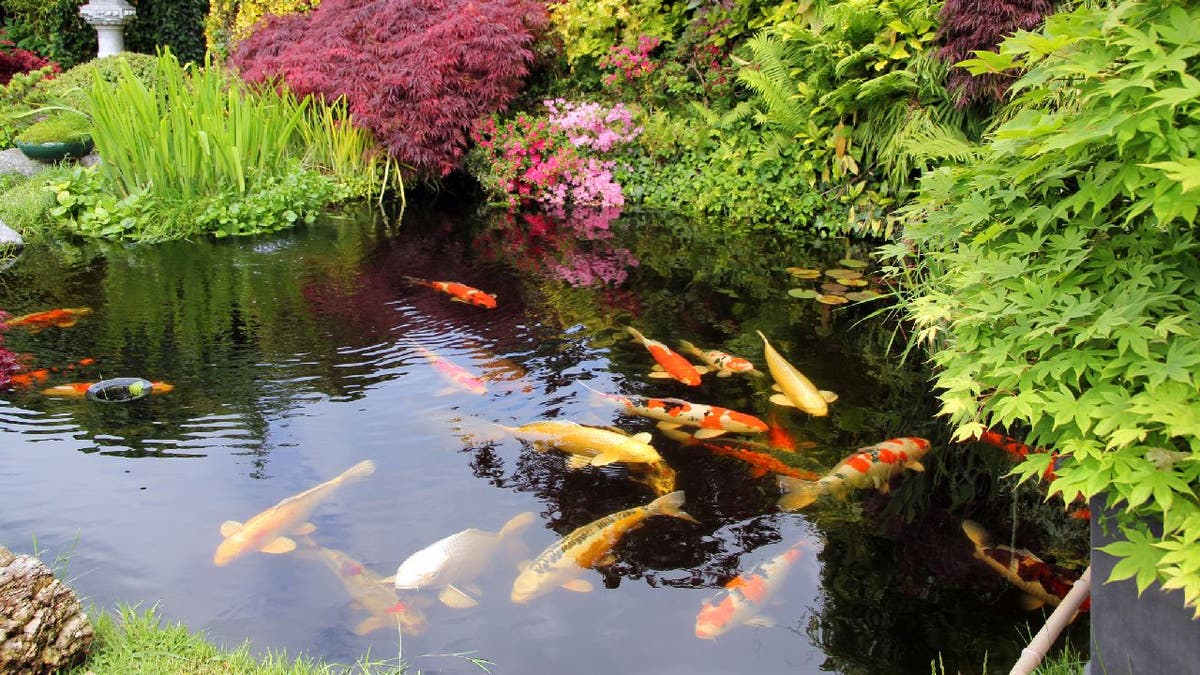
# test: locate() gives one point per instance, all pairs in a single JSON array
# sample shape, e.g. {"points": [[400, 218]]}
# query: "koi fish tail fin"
{"points": [[668, 505], [516, 524], [358, 471], [798, 493], [689, 347], [637, 334], [975, 533]]}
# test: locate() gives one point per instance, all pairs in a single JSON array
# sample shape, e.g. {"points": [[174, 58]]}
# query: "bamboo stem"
{"points": [[1032, 655]]}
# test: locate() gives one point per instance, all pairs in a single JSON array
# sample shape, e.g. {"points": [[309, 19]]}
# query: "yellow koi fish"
{"points": [[264, 531], [370, 594], [796, 389], [872, 466], [454, 562], [588, 446], [587, 547]]}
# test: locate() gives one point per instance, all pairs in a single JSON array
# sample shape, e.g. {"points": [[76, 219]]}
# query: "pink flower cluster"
{"points": [[629, 64], [552, 160]]}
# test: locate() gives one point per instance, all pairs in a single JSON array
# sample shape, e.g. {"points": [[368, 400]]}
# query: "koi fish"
{"points": [[742, 600], [454, 562], [779, 439], [588, 547], [723, 363], [658, 476], [1015, 449], [872, 466], [61, 318], [30, 378], [796, 389], [459, 292], [761, 463], [264, 531], [588, 446], [670, 364], [460, 377], [712, 420], [370, 594], [1042, 583], [80, 389]]}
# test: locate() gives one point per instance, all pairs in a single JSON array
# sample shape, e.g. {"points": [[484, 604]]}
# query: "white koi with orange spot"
{"points": [[872, 466], [742, 600], [723, 363], [712, 420], [588, 546], [671, 364]]}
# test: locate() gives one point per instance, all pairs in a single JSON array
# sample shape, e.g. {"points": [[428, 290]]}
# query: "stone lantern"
{"points": [[108, 17]]}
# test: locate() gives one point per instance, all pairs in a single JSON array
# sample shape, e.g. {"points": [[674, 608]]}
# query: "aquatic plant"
{"points": [[1054, 279], [417, 74]]}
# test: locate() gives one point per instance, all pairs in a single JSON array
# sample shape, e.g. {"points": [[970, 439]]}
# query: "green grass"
{"points": [[136, 642], [1066, 660]]}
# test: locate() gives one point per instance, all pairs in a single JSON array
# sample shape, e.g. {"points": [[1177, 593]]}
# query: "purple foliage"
{"points": [[417, 73], [981, 25]]}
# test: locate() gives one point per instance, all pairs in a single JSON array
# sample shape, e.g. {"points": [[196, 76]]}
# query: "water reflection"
{"points": [[298, 355]]}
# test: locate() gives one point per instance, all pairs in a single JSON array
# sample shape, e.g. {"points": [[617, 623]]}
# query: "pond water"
{"points": [[297, 356]]}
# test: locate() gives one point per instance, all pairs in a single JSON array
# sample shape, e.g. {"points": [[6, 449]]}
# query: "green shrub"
{"points": [[175, 24], [64, 127], [51, 28], [26, 201], [70, 87], [18, 98]]}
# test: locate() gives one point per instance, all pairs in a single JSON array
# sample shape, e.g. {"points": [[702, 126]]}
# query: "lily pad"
{"points": [[857, 283], [804, 273], [803, 293], [831, 300], [859, 296], [843, 274], [851, 262], [835, 289]]}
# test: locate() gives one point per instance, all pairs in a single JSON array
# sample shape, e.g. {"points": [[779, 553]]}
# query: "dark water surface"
{"points": [[296, 356]]}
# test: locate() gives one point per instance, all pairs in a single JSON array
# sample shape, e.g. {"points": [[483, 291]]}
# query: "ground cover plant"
{"points": [[1056, 283], [416, 73]]}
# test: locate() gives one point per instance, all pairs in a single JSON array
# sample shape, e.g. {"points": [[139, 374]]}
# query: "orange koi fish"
{"points": [[1042, 583], [712, 420], [795, 389], [460, 377], [264, 531], [80, 389], [670, 364], [724, 364], [460, 292], [61, 318], [778, 437], [1015, 449], [28, 379], [370, 594], [743, 598], [872, 466], [587, 547], [761, 463]]}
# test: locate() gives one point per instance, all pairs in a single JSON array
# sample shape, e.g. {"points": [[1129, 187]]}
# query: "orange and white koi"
{"points": [[712, 420], [459, 292], [742, 600], [264, 531], [587, 446], [670, 364], [761, 463], [1042, 583], [795, 389], [587, 547], [80, 389], [723, 363], [370, 594], [458, 376], [61, 318], [872, 466]]}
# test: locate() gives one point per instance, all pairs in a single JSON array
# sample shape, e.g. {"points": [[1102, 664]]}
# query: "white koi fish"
{"points": [[264, 531], [454, 562], [588, 546], [796, 389], [872, 466], [723, 363], [712, 420]]}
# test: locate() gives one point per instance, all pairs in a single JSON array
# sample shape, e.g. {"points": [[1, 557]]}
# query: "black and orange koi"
{"points": [[1042, 583]]}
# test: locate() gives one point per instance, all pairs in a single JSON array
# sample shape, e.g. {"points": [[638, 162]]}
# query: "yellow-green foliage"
{"points": [[231, 20], [590, 28]]}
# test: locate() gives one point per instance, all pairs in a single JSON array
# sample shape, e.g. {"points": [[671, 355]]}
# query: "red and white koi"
{"points": [[872, 466], [670, 364], [1042, 583], [459, 292], [457, 375], [712, 420], [795, 389], [723, 363], [742, 600]]}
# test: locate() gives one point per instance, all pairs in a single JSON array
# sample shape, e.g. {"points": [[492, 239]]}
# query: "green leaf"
{"points": [[1139, 558]]}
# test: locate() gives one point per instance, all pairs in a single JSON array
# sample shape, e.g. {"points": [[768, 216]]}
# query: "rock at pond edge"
{"points": [[42, 624]]}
